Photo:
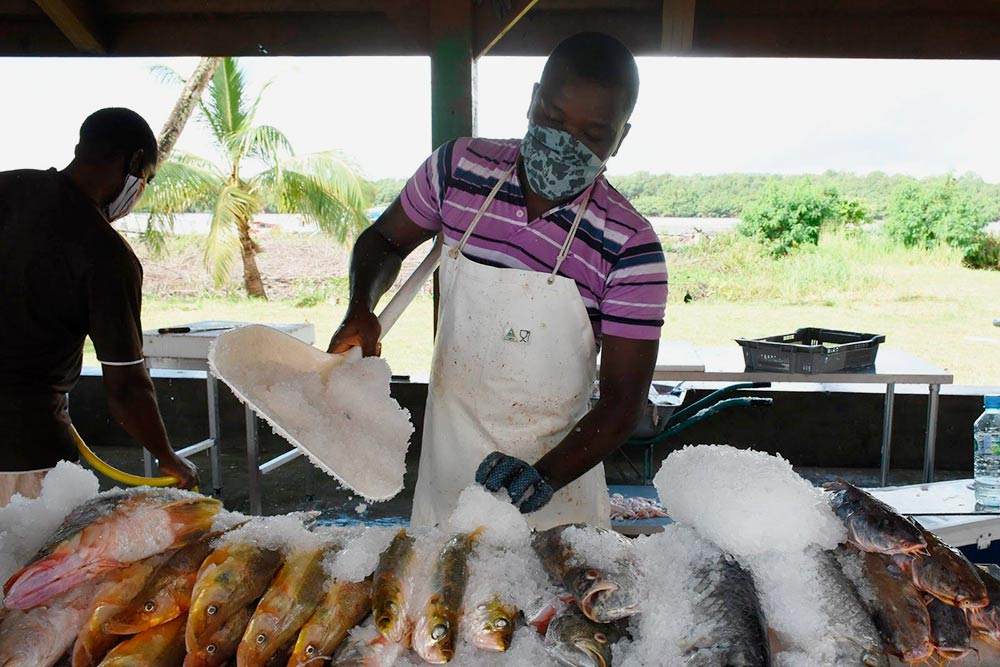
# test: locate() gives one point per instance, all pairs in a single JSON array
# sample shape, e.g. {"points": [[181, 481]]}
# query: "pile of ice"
{"points": [[745, 501], [666, 618], [283, 532], [26, 523], [335, 408], [360, 554], [757, 508], [503, 524]]}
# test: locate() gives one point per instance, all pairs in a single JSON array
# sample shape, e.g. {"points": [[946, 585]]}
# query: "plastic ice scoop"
{"points": [[334, 408]]}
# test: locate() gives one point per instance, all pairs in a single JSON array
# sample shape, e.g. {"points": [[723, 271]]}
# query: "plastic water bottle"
{"points": [[986, 431]]}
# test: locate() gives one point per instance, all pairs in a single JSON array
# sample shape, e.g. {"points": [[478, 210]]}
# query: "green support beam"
{"points": [[453, 80]]}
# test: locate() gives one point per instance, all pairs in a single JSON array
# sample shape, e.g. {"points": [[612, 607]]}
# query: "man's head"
{"points": [[588, 88], [117, 149]]}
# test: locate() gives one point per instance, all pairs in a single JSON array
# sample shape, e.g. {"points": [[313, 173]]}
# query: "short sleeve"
{"points": [[424, 192], [636, 295], [114, 302]]}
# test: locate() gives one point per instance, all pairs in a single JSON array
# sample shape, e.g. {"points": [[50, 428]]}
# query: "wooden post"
{"points": [[678, 25], [453, 79]]}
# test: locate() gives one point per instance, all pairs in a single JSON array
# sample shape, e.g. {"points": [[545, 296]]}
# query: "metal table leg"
{"points": [[147, 463], [253, 462], [213, 432], [934, 392], [890, 400]]}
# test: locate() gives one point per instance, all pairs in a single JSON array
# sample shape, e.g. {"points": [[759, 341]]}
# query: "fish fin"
{"points": [[192, 518]]}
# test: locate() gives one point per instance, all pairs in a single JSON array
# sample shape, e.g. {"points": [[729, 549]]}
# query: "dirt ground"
{"points": [[292, 265]]}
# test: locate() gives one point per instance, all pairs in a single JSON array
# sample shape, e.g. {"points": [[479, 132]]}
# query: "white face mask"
{"points": [[126, 199]]}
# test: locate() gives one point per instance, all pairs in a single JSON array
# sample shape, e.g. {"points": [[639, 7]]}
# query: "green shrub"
{"points": [[985, 253], [787, 215], [941, 212]]}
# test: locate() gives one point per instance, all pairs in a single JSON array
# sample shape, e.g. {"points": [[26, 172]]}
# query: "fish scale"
{"points": [[345, 605], [857, 641], [729, 627], [288, 603]]}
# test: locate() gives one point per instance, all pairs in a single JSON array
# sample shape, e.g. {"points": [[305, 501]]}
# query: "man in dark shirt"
{"points": [[66, 274]]}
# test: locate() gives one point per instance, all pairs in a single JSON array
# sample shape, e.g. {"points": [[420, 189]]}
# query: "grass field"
{"points": [[924, 302]]}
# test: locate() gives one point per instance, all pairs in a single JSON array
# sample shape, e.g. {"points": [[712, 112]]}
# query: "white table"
{"points": [[947, 509], [892, 367], [189, 351]]}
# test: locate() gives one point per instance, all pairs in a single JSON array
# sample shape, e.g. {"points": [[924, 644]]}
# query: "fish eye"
{"points": [[210, 649], [149, 606], [500, 623], [601, 638], [261, 638], [211, 610], [439, 631], [592, 574], [310, 649]]}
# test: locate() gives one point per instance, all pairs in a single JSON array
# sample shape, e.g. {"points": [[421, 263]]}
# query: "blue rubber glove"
{"points": [[499, 470]]}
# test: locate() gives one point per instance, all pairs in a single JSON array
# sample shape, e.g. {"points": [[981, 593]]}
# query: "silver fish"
{"points": [[729, 629], [857, 641]]}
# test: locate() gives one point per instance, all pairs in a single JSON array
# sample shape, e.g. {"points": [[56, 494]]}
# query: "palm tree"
{"points": [[194, 86], [322, 187]]}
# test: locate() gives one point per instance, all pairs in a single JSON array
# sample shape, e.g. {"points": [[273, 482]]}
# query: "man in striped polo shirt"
{"points": [[544, 263]]}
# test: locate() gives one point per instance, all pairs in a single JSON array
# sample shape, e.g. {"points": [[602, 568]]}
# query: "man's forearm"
{"points": [[133, 405], [602, 431], [375, 263]]}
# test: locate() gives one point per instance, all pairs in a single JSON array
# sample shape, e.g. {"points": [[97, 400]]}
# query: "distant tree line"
{"points": [[725, 195]]}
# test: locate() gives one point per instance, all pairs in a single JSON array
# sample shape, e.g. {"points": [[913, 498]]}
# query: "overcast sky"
{"points": [[704, 116]]}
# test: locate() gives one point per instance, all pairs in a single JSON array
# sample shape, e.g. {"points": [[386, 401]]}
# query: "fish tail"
{"points": [[191, 519], [39, 582]]}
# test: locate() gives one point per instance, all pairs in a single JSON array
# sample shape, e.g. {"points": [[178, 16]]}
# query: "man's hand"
{"points": [[499, 470], [360, 328], [182, 469]]}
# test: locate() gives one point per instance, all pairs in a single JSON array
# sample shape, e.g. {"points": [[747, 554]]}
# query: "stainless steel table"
{"points": [[189, 351], [892, 367]]}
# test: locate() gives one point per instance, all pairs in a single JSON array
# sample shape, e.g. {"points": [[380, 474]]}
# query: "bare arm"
{"points": [[375, 262], [132, 401], [626, 371]]}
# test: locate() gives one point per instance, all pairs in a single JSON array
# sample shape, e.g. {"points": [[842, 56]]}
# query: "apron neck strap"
{"points": [[564, 251], [455, 250]]}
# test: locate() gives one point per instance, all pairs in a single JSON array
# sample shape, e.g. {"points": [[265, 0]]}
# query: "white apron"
{"points": [[513, 370]]}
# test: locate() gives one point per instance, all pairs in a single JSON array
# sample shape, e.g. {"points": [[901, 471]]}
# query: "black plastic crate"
{"points": [[811, 350]]}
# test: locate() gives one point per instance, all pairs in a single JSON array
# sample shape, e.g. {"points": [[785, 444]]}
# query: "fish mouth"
{"points": [[490, 643], [918, 654], [596, 592], [591, 656]]}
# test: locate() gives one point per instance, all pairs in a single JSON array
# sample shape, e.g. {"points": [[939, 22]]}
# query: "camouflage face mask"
{"points": [[556, 164]]}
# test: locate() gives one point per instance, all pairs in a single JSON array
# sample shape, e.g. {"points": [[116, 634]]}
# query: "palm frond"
{"points": [[167, 75], [184, 183], [224, 110], [233, 208], [324, 188], [252, 109], [267, 144]]}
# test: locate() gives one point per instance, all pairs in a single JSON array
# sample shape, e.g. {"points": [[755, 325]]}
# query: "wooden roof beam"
{"points": [[77, 19], [678, 26], [490, 24]]}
